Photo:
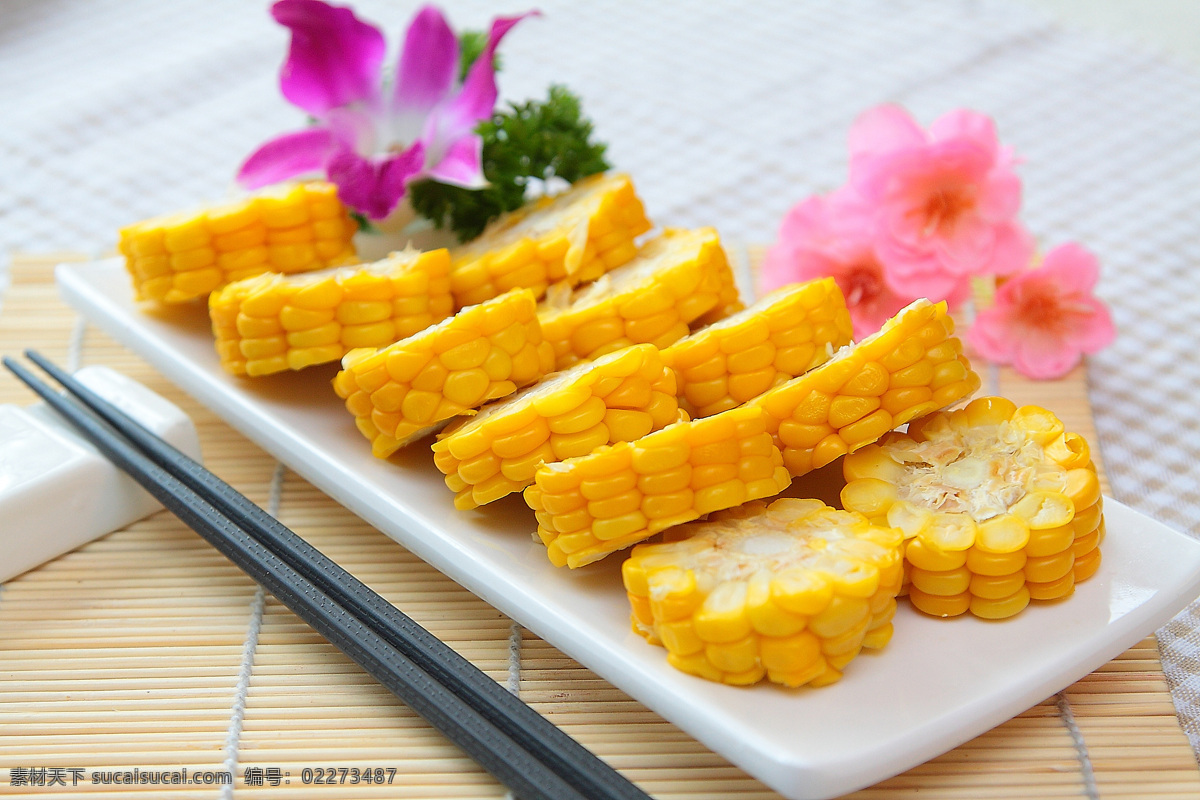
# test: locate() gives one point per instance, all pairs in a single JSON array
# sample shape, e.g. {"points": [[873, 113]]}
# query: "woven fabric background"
{"points": [[120, 109]]}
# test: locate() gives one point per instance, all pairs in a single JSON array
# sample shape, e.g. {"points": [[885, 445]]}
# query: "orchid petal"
{"points": [[374, 186], [286, 156], [428, 64], [334, 57], [477, 98], [462, 164]]}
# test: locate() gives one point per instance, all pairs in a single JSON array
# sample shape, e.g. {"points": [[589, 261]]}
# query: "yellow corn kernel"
{"points": [[687, 267], [836, 408], [553, 413], [783, 335], [572, 237], [791, 592], [693, 467], [326, 313], [427, 391], [1005, 498], [212, 247]]}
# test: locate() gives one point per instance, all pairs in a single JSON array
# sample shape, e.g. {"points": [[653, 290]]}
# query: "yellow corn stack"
{"points": [[408, 389], [593, 505], [616, 398], [910, 367], [998, 505], [675, 279], [272, 322], [791, 592], [783, 335], [575, 236], [291, 228]]}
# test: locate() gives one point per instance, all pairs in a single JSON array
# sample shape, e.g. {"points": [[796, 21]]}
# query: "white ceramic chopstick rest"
{"points": [[56, 491]]}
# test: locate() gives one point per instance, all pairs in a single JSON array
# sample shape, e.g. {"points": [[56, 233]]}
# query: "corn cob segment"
{"points": [[998, 504], [675, 279], [575, 236], [272, 322], [791, 592], [291, 228], [616, 398], [410, 388], [783, 335], [912, 366], [618, 495]]}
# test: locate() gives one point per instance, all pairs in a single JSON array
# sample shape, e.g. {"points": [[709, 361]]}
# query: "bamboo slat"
{"points": [[128, 653]]}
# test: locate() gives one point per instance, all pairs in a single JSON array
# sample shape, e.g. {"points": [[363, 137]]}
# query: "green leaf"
{"points": [[527, 141]]}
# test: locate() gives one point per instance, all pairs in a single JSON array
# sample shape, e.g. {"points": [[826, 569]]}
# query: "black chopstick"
{"points": [[494, 749], [535, 733]]}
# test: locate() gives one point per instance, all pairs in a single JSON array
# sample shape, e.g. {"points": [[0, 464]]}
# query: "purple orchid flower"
{"points": [[370, 139]]}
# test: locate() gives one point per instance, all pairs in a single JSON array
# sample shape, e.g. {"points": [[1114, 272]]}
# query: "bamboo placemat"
{"points": [[146, 650]]}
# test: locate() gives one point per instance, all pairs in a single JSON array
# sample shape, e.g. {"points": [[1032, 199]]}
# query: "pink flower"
{"points": [[373, 139], [1045, 319], [833, 237], [946, 200]]}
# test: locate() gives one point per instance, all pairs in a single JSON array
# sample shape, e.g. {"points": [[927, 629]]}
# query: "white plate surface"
{"points": [[936, 685]]}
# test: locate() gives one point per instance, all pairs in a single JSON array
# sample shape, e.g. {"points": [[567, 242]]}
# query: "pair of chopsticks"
{"points": [[501, 733]]}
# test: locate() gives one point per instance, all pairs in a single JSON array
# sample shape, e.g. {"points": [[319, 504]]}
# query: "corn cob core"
{"points": [[593, 505], [408, 389], [291, 228], [998, 505], [616, 398], [791, 592], [783, 335], [575, 236], [675, 279], [274, 322], [908, 368]]}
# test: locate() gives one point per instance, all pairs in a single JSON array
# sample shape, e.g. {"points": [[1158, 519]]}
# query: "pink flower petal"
{"points": [[1073, 268], [374, 187], [286, 156], [967, 125], [1000, 196], [428, 64], [970, 241], [462, 165], [1012, 249], [334, 57], [1044, 358], [988, 335], [882, 129], [1092, 329]]}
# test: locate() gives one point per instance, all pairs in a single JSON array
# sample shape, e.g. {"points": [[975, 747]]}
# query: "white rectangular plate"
{"points": [[936, 685]]}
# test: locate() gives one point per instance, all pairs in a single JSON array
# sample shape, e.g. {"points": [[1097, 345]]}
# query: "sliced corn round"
{"points": [[676, 279], [409, 389], [783, 335], [574, 237], [273, 322], [912, 366], [594, 505], [288, 228], [1010, 502], [616, 398], [790, 592]]}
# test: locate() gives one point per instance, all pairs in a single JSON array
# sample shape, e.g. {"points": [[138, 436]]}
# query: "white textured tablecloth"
{"points": [[114, 110]]}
